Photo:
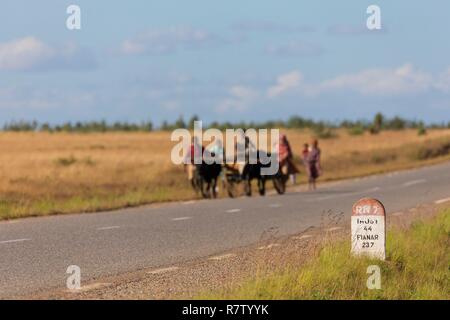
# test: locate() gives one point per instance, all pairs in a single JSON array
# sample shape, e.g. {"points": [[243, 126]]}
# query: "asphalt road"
{"points": [[35, 252]]}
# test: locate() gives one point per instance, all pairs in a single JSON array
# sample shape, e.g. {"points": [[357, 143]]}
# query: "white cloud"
{"points": [[25, 97], [171, 105], [23, 53], [243, 93], [164, 41], [401, 80], [443, 82], [285, 82], [241, 98], [30, 53], [354, 30], [405, 79], [295, 49], [269, 26]]}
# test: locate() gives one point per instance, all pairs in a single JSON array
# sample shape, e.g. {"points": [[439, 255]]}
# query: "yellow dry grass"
{"points": [[45, 173]]}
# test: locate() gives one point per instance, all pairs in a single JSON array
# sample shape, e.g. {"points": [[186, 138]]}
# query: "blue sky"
{"points": [[223, 60]]}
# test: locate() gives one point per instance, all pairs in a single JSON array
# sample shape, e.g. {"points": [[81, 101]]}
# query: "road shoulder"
{"points": [[188, 280]]}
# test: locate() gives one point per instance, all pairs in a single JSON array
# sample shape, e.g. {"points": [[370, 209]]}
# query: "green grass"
{"points": [[417, 267]]}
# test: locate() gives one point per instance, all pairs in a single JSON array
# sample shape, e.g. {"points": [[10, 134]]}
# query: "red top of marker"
{"points": [[368, 207]]}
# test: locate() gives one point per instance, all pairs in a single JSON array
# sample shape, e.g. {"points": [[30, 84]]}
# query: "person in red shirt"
{"points": [[193, 159], [305, 152]]}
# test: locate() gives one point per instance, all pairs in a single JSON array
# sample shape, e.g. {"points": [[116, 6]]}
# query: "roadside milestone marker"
{"points": [[369, 229]]}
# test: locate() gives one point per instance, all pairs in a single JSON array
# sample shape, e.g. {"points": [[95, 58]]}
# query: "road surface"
{"points": [[35, 252]]}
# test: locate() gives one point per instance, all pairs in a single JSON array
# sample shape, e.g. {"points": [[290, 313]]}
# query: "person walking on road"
{"points": [[286, 158], [314, 165], [194, 152], [305, 153]]}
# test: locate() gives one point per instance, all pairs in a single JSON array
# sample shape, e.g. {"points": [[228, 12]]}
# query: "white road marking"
{"points": [[108, 228], [11, 221], [275, 205], [89, 287], [441, 201], [323, 198], [344, 194], [270, 246], [233, 210], [189, 202], [181, 218], [14, 241], [413, 182], [333, 229], [222, 257], [305, 236], [163, 270]]}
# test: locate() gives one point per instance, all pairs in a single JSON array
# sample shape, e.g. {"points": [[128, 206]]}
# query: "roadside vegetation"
{"points": [[416, 268], [55, 171]]}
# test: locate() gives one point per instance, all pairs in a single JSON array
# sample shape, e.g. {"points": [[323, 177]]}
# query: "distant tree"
{"points": [[45, 127], [321, 128], [165, 126], [397, 123], [67, 127], [296, 122], [227, 125], [215, 124], [421, 130], [192, 120], [147, 126], [378, 122], [180, 123]]}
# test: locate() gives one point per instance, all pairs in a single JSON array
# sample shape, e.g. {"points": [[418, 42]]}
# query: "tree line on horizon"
{"points": [[322, 128]]}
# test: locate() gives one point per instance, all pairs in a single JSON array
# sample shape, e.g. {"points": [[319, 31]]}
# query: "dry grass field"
{"points": [[45, 173]]}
